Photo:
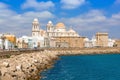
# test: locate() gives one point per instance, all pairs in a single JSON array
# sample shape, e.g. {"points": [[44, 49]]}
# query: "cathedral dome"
{"points": [[50, 22], [36, 20], [60, 26]]}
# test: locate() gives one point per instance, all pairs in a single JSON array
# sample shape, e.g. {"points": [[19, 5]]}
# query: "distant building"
{"points": [[68, 42], [117, 43], [38, 35], [42, 38], [111, 43], [87, 43], [99, 41], [25, 42], [59, 36], [102, 39], [7, 41], [11, 38], [36, 30], [59, 30], [90, 43]]}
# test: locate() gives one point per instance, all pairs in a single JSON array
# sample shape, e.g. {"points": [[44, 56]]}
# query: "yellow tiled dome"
{"points": [[60, 26]]}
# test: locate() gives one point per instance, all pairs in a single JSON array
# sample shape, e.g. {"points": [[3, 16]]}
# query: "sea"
{"points": [[85, 67]]}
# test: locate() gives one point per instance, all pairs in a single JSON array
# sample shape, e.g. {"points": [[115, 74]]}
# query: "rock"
{"points": [[6, 64], [3, 71], [25, 66], [35, 61], [19, 67]]}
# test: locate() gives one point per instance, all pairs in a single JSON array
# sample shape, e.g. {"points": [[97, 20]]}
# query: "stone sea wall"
{"points": [[85, 51], [26, 66]]}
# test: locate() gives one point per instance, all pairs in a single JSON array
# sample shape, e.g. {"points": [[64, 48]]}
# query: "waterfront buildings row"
{"points": [[58, 36], [55, 36], [100, 40]]}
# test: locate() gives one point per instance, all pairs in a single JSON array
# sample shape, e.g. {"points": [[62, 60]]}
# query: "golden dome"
{"points": [[60, 26]]}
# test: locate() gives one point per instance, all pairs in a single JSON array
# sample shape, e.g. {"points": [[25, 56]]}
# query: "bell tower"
{"points": [[35, 27], [50, 28]]}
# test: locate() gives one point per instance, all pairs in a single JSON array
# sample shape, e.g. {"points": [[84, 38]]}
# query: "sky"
{"points": [[85, 16]]}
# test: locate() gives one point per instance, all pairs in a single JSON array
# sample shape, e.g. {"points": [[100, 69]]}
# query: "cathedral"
{"points": [[36, 30], [55, 35], [58, 30]]}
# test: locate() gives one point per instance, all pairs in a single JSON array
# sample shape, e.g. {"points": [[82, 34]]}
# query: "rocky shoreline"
{"points": [[26, 66], [29, 65]]}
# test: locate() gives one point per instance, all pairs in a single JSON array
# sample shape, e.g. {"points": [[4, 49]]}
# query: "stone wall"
{"points": [[85, 51]]}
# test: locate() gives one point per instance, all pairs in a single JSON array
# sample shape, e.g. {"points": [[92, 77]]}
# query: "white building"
{"points": [[42, 38], [46, 38], [88, 43], [24, 41], [5, 43], [92, 42], [59, 30], [111, 42], [38, 35]]}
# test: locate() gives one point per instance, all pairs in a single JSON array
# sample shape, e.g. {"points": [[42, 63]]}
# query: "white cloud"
{"points": [[37, 5], [117, 1], [93, 21], [20, 24], [2, 6], [116, 16], [41, 15], [72, 4]]}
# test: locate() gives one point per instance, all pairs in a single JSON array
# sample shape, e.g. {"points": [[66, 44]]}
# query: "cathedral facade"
{"points": [[53, 34], [58, 30]]}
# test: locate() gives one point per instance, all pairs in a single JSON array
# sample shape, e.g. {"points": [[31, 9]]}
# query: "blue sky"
{"points": [[85, 16]]}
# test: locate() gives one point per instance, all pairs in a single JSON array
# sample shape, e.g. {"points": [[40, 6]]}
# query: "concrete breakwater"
{"points": [[26, 66]]}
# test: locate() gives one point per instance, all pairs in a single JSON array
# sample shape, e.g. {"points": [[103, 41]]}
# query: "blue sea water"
{"points": [[85, 67]]}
